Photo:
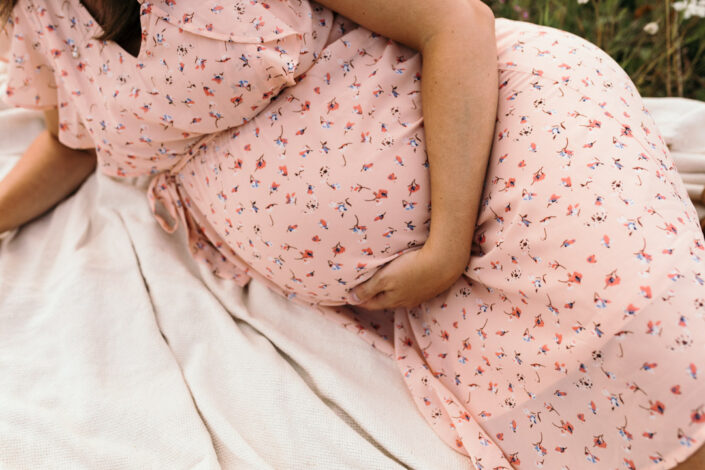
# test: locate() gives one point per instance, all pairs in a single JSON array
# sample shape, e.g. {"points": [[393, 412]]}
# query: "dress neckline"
{"points": [[98, 30]]}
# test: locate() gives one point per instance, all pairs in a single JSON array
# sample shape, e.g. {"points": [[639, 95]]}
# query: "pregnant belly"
{"points": [[316, 225], [330, 182]]}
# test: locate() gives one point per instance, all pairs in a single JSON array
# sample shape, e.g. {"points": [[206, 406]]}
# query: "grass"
{"points": [[669, 62]]}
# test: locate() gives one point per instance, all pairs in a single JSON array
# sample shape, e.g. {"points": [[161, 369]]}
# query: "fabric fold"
{"points": [[161, 189]]}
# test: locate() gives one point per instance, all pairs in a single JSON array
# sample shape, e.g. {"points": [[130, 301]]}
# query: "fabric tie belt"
{"points": [[163, 188]]}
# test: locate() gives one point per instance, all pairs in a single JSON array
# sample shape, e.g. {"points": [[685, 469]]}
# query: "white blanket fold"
{"points": [[680, 121]]}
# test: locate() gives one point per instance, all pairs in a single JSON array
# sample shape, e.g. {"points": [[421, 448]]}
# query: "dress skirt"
{"points": [[576, 336]]}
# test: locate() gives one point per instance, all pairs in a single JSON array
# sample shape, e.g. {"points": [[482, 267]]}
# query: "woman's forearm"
{"points": [[459, 98], [47, 172]]}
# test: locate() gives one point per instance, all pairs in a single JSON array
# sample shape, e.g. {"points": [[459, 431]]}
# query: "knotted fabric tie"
{"points": [[163, 188]]}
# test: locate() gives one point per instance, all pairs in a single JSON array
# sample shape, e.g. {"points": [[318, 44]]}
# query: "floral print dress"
{"points": [[290, 143]]}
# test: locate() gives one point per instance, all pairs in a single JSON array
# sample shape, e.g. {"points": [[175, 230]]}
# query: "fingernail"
{"points": [[355, 299]]}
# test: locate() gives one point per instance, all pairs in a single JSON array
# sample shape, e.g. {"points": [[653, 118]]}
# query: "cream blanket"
{"points": [[117, 351]]}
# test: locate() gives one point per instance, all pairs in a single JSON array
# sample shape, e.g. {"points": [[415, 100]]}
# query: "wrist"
{"points": [[451, 231], [451, 258]]}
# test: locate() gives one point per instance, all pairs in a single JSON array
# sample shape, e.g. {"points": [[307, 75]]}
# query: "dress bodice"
{"points": [[203, 67]]}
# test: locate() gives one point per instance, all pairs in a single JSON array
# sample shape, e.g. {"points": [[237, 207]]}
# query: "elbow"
{"points": [[477, 14], [470, 20], [482, 10], [470, 16], [480, 14], [479, 23]]}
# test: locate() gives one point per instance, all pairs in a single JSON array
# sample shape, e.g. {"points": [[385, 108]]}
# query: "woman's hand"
{"points": [[410, 279]]}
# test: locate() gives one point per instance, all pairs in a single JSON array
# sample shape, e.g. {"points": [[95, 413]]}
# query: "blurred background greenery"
{"points": [[660, 43]]}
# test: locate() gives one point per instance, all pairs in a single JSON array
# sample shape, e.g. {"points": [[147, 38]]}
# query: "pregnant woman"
{"points": [[550, 310]]}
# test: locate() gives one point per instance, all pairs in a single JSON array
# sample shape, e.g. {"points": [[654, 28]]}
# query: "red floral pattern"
{"points": [[291, 143]]}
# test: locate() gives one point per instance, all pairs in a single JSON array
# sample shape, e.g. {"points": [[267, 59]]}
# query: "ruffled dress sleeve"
{"points": [[31, 76]]}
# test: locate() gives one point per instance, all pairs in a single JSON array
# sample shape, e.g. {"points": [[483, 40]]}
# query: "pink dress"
{"points": [[290, 142]]}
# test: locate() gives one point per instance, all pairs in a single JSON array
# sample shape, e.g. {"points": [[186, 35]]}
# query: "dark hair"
{"points": [[119, 19]]}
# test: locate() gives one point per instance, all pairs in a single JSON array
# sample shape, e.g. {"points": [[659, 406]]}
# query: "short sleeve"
{"points": [[30, 77], [72, 131]]}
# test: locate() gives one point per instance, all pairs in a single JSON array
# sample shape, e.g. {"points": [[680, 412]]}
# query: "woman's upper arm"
{"points": [[412, 22], [51, 118]]}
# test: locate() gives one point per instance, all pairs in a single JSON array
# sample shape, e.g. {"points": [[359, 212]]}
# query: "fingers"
{"points": [[367, 290], [378, 302]]}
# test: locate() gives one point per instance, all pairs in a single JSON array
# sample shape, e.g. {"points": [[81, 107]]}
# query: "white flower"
{"points": [[690, 8], [651, 28], [696, 10], [583, 2], [680, 6]]}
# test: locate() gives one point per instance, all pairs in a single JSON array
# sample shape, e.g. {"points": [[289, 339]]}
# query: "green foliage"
{"points": [[669, 62]]}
